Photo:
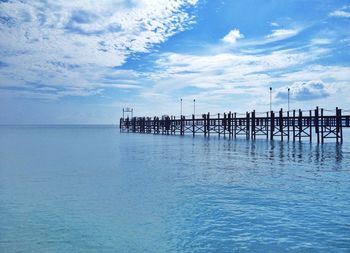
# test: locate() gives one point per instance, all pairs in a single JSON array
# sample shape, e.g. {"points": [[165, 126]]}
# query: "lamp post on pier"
{"points": [[288, 97], [194, 106], [181, 106], [270, 99]]}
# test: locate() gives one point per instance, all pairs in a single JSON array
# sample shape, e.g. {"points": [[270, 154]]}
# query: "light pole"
{"points": [[181, 106], [270, 99], [194, 106], [288, 98]]}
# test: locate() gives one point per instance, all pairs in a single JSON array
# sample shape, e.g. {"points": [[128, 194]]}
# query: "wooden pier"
{"points": [[295, 125]]}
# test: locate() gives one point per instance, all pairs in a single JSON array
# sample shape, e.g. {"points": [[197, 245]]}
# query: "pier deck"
{"points": [[294, 125]]}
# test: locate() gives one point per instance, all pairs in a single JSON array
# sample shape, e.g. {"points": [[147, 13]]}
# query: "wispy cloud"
{"points": [[281, 34], [226, 78], [321, 41], [126, 86], [226, 73]]}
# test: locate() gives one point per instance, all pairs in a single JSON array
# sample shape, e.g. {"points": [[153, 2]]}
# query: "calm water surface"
{"points": [[92, 189]]}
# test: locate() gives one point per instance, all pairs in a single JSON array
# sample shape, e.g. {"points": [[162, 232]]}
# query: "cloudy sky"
{"points": [[83, 61]]}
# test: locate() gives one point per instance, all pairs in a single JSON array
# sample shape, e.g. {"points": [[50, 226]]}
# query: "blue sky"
{"points": [[83, 61]]}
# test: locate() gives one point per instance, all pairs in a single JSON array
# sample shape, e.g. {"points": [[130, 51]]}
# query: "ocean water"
{"points": [[92, 189]]}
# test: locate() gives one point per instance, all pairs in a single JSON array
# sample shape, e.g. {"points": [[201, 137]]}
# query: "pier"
{"points": [[294, 125]]}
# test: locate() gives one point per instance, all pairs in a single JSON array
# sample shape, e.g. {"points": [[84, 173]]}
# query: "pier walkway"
{"points": [[294, 125]]}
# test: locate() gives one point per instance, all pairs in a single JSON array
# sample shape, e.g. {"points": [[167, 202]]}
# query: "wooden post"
{"points": [[127, 123], [193, 126], [218, 125], [317, 130], [182, 125], [158, 125], [310, 125], [205, 124], [150, 124], [135, 125], [171, 125], [144, 124], [130, 123], [281, 123], [300, 123], [288, 124], [322, 125], [267, 125], [161, 126], [145, 120], [224, 123], [341, 126], [253, 134], [272, 124], [293, 125], [208, 124], [155, 125], [247, 125], [235, 130], [140, 124], [229, 125], [337, 123]]}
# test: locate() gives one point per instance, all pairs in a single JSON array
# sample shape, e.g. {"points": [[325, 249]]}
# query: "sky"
{"points": [[81, 62]]}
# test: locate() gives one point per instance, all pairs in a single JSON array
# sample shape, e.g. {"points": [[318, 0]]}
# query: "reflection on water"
{"points": [[91, 189]]}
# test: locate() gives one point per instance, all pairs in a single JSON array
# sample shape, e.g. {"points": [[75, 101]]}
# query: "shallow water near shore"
{"points": [[93, 189]]}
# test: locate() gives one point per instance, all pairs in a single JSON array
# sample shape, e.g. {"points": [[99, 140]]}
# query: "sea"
{"points": [[90, 188]]}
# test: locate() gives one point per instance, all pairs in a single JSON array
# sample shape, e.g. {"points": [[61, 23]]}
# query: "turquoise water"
{"points": [[92, 189]]}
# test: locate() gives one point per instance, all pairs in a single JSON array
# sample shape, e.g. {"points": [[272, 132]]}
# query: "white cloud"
{"points": [[74, 43], [280, 34], [321, 41], [125, 86], [233, 36], [310, 90], [343, 12]]}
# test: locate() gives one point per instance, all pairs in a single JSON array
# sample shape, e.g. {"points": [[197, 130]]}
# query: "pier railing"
{"points": [[290, 125]]}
